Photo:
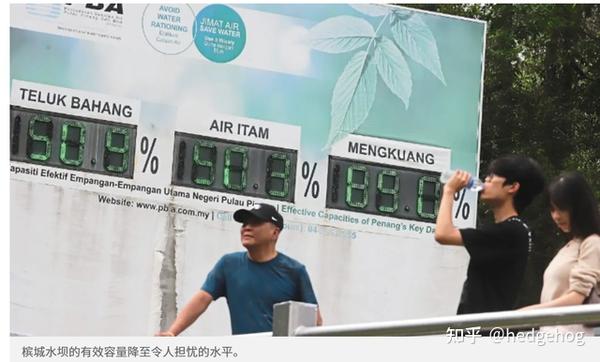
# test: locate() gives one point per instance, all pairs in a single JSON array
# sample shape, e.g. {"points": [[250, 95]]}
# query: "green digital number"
{"points": [[15, 131], [40, 138], [203, 167], [357, 183], [428, 197], [236, 164], [387, 197], [278, 175], [116, 150], [72, 138]]}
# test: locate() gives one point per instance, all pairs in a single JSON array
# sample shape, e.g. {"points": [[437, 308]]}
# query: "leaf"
{"points": [[393, 69], [371, 9], [402, 14], [340, 34], [416, 40], [353, 96]]}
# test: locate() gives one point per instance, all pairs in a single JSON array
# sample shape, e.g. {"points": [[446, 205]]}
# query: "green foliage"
{"points": [[354, 92], [540, 98]]}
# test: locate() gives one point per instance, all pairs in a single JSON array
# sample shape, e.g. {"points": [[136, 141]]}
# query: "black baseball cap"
{"points": [[264, 212]]}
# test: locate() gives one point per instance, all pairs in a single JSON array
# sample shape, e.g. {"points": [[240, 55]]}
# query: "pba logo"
{"points": [[108, 8]]}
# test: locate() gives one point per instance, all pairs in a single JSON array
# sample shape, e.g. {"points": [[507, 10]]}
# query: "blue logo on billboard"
{"points": [[219, 33]]}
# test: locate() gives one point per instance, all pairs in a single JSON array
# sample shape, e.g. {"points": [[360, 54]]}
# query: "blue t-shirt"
{"points": [[252, 288]]}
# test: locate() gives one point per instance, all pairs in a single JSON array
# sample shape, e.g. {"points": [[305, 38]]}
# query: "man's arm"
{"points": [[445, 231], [190, 312], [319, 318]]}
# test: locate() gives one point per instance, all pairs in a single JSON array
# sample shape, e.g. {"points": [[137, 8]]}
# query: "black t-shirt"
{"points": [[497, 266]]}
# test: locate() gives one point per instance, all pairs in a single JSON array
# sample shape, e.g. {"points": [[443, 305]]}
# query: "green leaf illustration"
{"points": [[414, 37], [401, 14], [340, 34], [371, 9], [393, 69], [353, 96]]}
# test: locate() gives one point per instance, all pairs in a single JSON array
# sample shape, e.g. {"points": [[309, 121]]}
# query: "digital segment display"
{"points": [[383, 190], [234, 167], [72, 142]]}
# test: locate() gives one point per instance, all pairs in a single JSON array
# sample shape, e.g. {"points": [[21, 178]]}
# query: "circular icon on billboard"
{"points": [[219, 33], [168, 27]]}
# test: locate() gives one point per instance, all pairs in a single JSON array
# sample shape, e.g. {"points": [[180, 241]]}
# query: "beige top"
{"points": [[576, 267]]}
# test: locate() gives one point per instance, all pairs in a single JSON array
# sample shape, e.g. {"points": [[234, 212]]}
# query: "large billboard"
{"points": [[136, 131]]}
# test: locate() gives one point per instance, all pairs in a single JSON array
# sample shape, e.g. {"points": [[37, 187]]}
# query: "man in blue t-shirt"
{"points": [[251, 281]]}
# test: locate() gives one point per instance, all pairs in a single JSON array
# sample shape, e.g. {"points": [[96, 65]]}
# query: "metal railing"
{"points": [[581, 314]]}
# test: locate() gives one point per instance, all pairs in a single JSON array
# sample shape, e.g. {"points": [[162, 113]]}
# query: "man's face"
{"points": [[495, 190], [255, 232]]}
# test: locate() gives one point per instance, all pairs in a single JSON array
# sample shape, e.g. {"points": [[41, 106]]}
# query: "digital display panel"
{"points": [[234, 167], [72, 142], [383, 190]]}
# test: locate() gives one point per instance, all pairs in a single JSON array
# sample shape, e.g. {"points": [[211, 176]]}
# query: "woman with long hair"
{"points": [[575, 270]]}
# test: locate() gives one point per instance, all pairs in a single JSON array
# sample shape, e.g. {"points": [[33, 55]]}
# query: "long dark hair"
{"points": [[571, 192]]}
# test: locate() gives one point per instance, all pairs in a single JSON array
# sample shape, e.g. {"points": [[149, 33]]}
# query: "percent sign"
{"points": [[463, 208], [150, 158], [308, 173]]}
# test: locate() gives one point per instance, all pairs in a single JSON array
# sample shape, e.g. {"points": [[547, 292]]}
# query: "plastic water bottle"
{"points": [[474, 184]]}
